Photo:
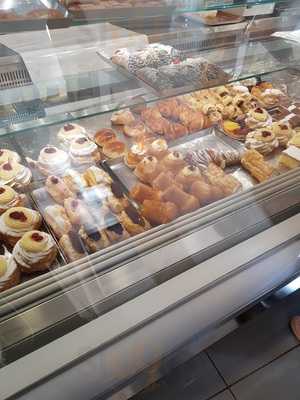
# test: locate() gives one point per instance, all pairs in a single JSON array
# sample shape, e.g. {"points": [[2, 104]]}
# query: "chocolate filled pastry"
{"points": [[74, 181], [135, 154], [122, 117], [187, 176], [184, 201], [141, 192], [96, 176], [116, 200], [9, 155], [84, 151], [51, 161], [70, 132], [10, 198], [114, 149], [114, 229], [10, 275], [15, 222], [157, 212], [93, 238], [164, 180], [73, 246], [77, 212], [133, 222], [104, 136], [169, 108], [148, 169], [15, 175], [35, 252], [254, 162], [57, 189], [158, 148], [57, 219], [174, 162], [135, 130]]}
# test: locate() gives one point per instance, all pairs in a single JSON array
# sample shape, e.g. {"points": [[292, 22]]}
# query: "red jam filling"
{"points": [[81, 140], [18, 215], [259, 110], [2, 190], [284, 127], [68, 127], [7, 166], [266, 134], [50, 150], [176, 154], [54, 180], [37, 237]]}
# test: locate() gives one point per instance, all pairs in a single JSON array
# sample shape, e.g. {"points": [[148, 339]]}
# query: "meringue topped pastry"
{"points": [[10, 198], [84, 151], [51, 161], [70, 132], [9, 272], [263, 140], [8, 155], [14, 174]]}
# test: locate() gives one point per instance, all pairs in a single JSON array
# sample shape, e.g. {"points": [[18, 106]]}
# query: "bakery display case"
{"points": [[152, 198]]}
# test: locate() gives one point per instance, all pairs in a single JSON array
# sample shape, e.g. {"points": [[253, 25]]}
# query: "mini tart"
{"points": [[84, 151], [122, 117], [57, 219], [115, 231], [15, 175], [234, 129], [96, 176], [104, 136], [262, 140], [148, 169], [174, 161], [52, 161], [9, 272], [57, 189], [10, 198], [93, 238], [135, 129], [133, 222], [135, 154], [114, 149], [70, 132], [9, 155], [35, 252], [74, 181], [283, 131], [158, 148], [17, 221], [73, 246], [258, 118]]}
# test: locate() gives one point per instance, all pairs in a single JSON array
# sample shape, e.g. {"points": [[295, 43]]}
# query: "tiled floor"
{"points": [[258, 361]]}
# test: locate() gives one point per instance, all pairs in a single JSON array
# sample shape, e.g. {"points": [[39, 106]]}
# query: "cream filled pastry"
{"points": [[135, 154], [10, 198], [35, 252], [258, 118], [51, 161], [74, 180], [96, 176], [14, 174], [8, 155], [9, 272], [57, 189], [283, 131], [17, 221], [70, 132], [263, 140], [84, 151]]}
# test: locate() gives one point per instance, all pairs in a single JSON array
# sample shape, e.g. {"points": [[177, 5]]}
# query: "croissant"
{"points": [[150, 113], [169, 108], [175, 131], [158, 125]]}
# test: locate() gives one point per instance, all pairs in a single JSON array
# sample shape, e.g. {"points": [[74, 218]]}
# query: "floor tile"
{"points": [[257, 342], [197, 379], [277, 381]]}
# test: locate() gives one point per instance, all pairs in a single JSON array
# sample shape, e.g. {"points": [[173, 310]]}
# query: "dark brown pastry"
{"points": [[72, 246], [114, 229], [133, 222], [93, 238], [169, 108]]}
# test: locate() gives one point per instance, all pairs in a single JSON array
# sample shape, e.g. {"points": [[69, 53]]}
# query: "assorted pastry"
{"points": [[12, 172]]}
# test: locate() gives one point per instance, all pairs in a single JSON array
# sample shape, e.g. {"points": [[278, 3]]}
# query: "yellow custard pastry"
{"points": [[10, 198], [9, 272], [8, 155], [14, 174]]}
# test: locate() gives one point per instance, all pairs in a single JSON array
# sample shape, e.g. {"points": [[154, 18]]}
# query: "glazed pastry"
{"points": [[74, 181], [10, 198], [51, 161], [70, 132], [174, 162], [283, 132], [73, 246], [9, 155], [187, 176], [114, 149], [157, 212], [133, 222], [35, 252], [148, 169], [77, 212], [114, 230], [15, 222], [151, 113], [141, 192], [93, 238], [96, 176], [9, 272], [185, 202], [57, 219], [158, 148], [258, 118], [135, 129], [290, 158], [104, 136], [122, 117], [135, 154], [14, 175], [263, 140], [254, 162], [164, 180], [57, 189], [84, 151], [176, 130]]}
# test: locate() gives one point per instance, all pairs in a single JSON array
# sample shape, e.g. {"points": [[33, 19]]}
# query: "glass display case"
{"points": [[149, 187]]}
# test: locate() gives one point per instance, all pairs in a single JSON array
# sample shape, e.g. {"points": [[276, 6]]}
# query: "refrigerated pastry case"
{"points": [[98, 325]]}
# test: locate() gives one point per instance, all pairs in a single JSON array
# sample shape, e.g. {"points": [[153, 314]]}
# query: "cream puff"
{"points": [[77, 212], [70, 132], [148, 169], [158, 148], [73, 246], [15, 222], [10, 198], [9, 155], [263, 140], [283, 131], [9, 272], [56, 217], [15, 175], [84, 151], [96, 176], [51, 161], [74, 181], [122, 117], [57, 189], [174, 162], [135, 154], [258, 118], [115, 231], [35, 252], [93, 238], [133, 221]]}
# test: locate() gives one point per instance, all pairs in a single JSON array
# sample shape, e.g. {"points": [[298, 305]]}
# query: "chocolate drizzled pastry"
{"points": [[76, 242], [134, 215]]}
